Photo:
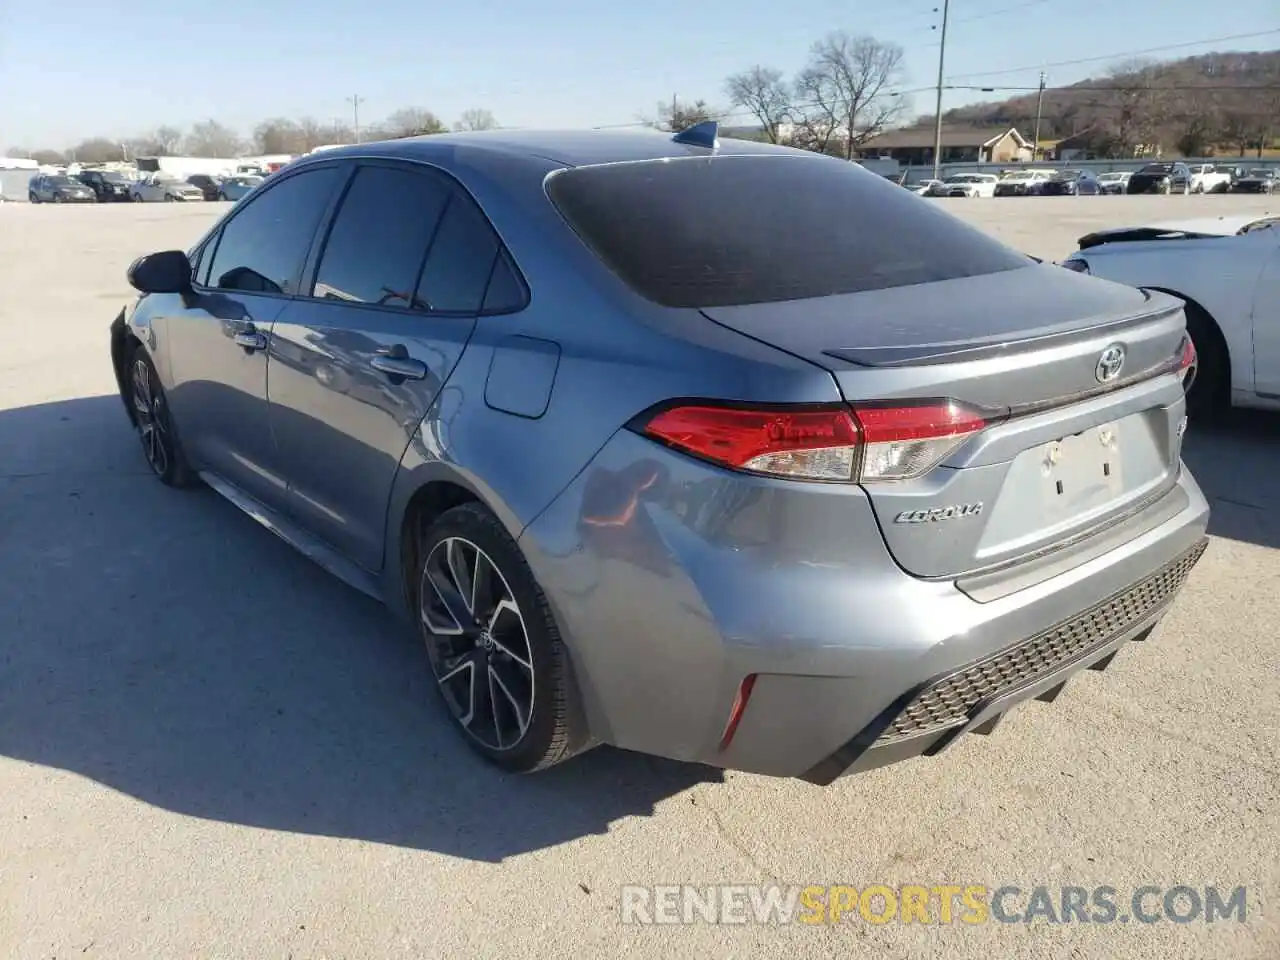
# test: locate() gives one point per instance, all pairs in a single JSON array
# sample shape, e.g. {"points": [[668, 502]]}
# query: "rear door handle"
{"points": [[395, 361], [249, 338]]}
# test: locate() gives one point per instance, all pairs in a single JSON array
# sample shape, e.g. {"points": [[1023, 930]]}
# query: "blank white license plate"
{"points": [[1083, 472]]}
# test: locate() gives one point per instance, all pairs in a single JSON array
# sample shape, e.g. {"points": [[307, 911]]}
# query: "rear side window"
{"points": [[461, 259], [735, 230], [380, 237], [262, 247]]}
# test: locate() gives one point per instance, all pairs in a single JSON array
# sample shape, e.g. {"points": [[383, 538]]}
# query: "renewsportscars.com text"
{"points": [[935, 904]]}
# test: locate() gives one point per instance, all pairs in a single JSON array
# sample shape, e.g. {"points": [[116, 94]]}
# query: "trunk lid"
{"points": [[1069, 447]]}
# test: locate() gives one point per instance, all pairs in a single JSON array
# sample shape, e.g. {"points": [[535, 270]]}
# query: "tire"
{"points": [[149, 405], [1210, 394], [222, 196], [168, 198], [58, 198], [137, 198], [527, 715], [31, 196], [1199, 188]]}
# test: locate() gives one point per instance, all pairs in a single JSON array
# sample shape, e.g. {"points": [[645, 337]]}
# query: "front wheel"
{"points": [[31, 196], [137, 198], [500, 665], [160, 444]]}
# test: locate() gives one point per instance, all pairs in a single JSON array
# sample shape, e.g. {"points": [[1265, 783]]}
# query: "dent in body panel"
{"points": [[672, 580], [522, 374]]}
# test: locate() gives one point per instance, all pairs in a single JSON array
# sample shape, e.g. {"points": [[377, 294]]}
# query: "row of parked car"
{"points": [[110, 186], [1166, 178]]}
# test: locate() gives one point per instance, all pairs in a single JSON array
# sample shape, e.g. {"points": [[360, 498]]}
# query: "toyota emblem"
{"points": [[1110, 363]]}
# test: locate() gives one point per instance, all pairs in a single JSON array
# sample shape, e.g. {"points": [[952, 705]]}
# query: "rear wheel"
{"points": [[31, 195], [1210, 392], [160, 444], [493, 644]]}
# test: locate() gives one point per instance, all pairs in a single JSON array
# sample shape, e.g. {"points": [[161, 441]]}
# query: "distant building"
{"points": [[913, 146]]}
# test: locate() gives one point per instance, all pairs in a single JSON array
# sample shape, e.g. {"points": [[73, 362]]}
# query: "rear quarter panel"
{"points": [[1221, 275]]}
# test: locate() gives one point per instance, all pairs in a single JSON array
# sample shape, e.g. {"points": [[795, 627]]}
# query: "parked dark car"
{"points": [[1161, 178], [58, 189], [1257, 180], [737, 518], [209, 186], [1071, 183], [107, 185]]}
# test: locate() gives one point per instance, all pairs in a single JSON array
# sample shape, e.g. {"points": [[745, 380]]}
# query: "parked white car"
{"points": [[157, 187], [965, 185], [1227, 269], [1209, 178]]}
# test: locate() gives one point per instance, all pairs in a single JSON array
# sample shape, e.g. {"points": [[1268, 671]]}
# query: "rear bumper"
{"points": [[672, 582]]}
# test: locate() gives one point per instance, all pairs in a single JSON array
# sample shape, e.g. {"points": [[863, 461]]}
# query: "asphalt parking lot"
{"points": [[210, 748]]}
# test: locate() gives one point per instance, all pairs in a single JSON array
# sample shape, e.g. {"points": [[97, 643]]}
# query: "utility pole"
{"points": [[937, 120], [1035, 150], [355, 100]]}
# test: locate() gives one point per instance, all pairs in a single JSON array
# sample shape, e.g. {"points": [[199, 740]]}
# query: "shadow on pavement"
{"points": [[163, 644], [1236, 461]]}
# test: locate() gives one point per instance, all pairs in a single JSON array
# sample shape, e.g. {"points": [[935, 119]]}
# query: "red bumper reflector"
{"points": [[739, 707]]}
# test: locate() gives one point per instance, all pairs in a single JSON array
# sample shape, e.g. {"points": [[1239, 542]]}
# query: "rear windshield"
{"points": [[735, 230]]}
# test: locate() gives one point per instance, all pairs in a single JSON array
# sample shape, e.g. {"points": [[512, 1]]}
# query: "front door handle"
{"points": [[249, 338], [396, 363]]}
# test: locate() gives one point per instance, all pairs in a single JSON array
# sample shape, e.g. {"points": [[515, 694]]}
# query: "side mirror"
{"points": [[165, 272]]}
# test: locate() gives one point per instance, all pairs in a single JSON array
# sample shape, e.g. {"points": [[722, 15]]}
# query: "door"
{"points": [[1266, 321], [397, 287], [218, 341]]}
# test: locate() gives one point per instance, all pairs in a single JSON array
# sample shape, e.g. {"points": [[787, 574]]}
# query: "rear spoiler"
{"points": [[1137, 234]]}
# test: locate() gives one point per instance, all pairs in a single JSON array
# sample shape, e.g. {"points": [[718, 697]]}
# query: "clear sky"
{"points": [[74, 69]]}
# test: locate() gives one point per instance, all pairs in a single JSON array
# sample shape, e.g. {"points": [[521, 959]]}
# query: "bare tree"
{"points": [[1137, 105], [411, 122], [677, 116], [97, 150], [163, 141], [845, 93], [279, 135], [212, 139], [763, 93], [47, 156], [476, 119]]}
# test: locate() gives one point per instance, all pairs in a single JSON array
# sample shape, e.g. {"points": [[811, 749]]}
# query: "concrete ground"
{"points": [[210, 748]]}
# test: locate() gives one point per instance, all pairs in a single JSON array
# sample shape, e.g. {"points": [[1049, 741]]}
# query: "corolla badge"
{"points": [[935, 514], [1110, 363]]}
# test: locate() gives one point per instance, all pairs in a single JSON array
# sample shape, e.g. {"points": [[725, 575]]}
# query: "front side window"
{"points": [[380, 237], [262, 246]]}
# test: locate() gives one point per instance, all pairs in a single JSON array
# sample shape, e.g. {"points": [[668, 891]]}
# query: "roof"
{"points": [[951, 137], [568, 147]]}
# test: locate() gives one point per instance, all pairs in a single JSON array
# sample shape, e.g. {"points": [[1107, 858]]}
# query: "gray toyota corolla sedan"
{"points": [[710, 449]]}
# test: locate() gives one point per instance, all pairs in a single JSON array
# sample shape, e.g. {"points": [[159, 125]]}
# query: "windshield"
{"points": [[1068, 174], [1260, 172], [1157, 168], [247, 181], [112, 177], [1113, 176], [1019, 176], [762, 229], [62, 182], [964, 178]]}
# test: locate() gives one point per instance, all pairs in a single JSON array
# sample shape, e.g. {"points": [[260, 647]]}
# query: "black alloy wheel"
{"points": [[493, 645], [155, 426]]}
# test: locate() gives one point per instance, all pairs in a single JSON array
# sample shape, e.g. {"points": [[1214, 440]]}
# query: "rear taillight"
{"points": [[1187, 363], [866, 443]]}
